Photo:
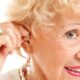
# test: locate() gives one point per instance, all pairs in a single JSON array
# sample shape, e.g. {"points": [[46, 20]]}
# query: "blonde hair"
{"points": [[40, 11]]}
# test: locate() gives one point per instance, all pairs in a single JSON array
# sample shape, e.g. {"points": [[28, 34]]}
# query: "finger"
{"points": [[12, 30], [13, 36], [18, 34], [6, 45]]}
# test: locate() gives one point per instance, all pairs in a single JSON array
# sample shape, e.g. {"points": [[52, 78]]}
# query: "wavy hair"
{"points": [[39, 11]]}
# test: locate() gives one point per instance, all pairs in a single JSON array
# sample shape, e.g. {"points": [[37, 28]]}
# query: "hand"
{"points": [[10, 39]]}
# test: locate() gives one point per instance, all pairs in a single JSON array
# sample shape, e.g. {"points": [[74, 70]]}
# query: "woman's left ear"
{"points": [[26, 39], [25, 36]]}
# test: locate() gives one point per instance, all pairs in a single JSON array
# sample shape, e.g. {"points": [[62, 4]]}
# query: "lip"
{"points": [[73, 70]]}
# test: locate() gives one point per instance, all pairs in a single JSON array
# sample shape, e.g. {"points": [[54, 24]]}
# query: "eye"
{"points": [[73, 34]]}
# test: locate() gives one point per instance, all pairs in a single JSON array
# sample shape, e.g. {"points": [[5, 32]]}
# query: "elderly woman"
{"points": [[49, 31]]}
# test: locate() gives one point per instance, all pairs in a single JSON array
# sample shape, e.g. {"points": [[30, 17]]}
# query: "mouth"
{"points": [[74, 70]]}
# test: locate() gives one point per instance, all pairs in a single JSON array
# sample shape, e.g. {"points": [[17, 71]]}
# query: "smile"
{"points": [[74, 71]]}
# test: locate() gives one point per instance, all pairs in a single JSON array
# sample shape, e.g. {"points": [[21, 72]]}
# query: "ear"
{"points": [[26, 36]]}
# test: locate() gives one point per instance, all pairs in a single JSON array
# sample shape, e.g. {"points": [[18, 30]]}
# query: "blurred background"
{"points": [[14, 61], [3, 8]]}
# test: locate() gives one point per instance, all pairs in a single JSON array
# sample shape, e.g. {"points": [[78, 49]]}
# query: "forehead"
{"points": [[70, 17], [69, 11], [66, 19]]}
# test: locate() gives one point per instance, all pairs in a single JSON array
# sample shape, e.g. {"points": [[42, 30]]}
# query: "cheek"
{"points": [[49, 50], [53, 52], [63, 53], [60, 54]]}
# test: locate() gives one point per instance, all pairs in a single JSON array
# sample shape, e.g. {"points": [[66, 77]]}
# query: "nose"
{"points": [[78, 56]]}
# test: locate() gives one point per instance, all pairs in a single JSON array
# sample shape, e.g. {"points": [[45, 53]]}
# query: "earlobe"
{"points": [[27, 47]]}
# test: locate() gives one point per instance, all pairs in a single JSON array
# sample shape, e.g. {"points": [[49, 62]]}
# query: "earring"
{"points": [[25, 72], [26, 38], [28, 65]]}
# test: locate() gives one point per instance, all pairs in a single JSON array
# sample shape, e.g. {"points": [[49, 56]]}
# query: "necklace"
{"points": [[25, 71]]}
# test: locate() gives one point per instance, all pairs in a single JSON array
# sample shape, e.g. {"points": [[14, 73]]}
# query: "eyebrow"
{"points": [[74, 23]]}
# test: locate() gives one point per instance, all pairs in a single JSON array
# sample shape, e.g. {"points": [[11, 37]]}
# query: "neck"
{"points": [[37, 73]]}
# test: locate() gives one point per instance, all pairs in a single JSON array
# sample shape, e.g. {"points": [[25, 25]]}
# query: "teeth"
{"points": [[68, 68], [78, 69], [75, 70]]}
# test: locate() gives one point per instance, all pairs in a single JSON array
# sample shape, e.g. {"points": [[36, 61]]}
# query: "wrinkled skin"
{"points": [[55, 49]]}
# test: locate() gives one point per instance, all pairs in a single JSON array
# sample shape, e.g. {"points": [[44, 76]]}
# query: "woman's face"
{"points": [[57, 51]]}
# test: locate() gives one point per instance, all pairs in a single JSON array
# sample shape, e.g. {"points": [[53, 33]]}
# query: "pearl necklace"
{"points": [[25, 71]]}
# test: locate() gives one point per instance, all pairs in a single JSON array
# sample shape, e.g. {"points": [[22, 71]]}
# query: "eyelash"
{"points": [[72, 34]]}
